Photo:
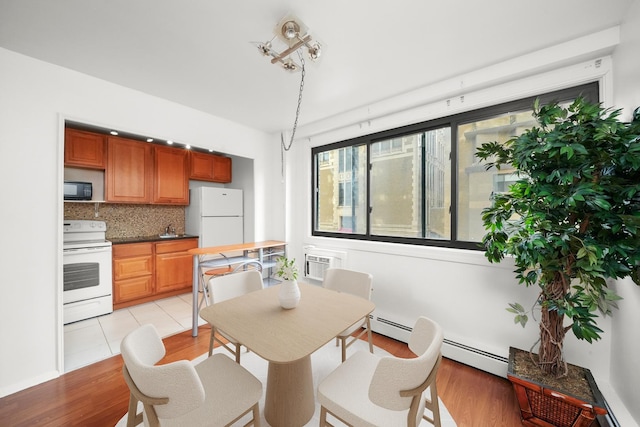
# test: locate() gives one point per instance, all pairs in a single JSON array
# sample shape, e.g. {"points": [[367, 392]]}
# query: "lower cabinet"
{"points": [[144, 272], [132, 272], [174, 266]]}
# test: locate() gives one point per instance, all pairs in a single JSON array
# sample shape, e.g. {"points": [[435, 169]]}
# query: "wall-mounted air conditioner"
{"points": [[316, 265]]}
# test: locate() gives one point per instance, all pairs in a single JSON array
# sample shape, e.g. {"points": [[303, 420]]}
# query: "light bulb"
{"points": [[289, 65], [290, 30], [265, 48], [315, 51]]}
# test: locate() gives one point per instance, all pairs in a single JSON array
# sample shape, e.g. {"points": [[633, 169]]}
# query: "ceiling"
{"points": [[198, 52]]}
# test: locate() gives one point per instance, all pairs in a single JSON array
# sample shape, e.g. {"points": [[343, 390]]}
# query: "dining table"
{"points": [[286, 338]]}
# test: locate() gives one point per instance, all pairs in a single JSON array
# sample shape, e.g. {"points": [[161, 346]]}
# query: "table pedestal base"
{"points": [[289, 400]]}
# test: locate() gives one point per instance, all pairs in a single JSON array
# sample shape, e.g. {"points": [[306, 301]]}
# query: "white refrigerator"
{"points": [[216, 215]]}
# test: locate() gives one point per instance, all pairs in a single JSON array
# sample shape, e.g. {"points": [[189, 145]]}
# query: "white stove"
{"points": [[87, 270]]}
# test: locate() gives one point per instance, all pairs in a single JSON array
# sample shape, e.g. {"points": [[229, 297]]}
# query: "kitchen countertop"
{"points": [[155, 238]]}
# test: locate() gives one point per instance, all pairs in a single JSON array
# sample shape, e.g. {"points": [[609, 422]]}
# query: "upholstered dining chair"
{"points": [[207, 273], [358, 284], [215, 392], [368, 390], [222, 288]]}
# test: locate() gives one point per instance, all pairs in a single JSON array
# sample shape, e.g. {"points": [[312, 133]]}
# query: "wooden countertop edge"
{"points": [[236, 247]]}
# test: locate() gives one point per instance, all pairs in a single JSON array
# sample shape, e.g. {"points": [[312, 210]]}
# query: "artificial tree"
{"points": [[571, 220]]}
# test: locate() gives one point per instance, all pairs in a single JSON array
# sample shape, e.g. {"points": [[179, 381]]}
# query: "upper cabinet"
{"points": [[139, 172], [170, 176], [128, 176], [210, 167], [84, 149]]}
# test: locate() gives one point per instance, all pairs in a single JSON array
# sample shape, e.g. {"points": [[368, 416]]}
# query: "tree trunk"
{"points": [[552, 334]]}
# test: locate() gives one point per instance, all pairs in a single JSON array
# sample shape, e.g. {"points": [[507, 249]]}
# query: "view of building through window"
{"points": [[422, 183], [341, 190], [410, 187], [475, 183]]}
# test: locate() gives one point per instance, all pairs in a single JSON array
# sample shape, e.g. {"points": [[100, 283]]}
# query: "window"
{"points": [[409, 192], [420, 184], [340, 189]]}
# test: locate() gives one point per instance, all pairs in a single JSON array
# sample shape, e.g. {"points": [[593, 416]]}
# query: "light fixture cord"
{"points": [[283, 146]]}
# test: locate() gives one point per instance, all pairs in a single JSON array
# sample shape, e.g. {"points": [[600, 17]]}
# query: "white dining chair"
{"points": [[354, 283], [222, 288], [368, 390], [215, 392], [207, 274]]}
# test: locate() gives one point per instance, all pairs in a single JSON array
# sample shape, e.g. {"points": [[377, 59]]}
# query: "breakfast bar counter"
{"points": [[228, 255]]}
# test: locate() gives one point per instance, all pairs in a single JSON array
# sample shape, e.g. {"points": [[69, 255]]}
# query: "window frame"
{"points": [[588, 90]]}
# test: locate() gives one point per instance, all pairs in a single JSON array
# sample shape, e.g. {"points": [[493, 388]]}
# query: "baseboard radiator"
{"points": [[480, 359]]}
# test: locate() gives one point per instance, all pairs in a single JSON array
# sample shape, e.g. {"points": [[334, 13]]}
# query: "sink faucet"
{"points": [[170, 229]]}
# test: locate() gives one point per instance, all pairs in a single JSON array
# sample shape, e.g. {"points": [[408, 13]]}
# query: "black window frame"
{"points": [[589, 91]]}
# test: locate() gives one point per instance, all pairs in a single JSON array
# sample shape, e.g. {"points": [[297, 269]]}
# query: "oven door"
{"points": [[87, 283]]}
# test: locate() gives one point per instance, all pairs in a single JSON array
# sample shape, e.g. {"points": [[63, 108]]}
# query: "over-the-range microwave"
{"points": [[76, 190]]}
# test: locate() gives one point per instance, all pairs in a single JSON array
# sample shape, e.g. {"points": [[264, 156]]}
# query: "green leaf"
{"points": [[521, 319], [574, 212]]}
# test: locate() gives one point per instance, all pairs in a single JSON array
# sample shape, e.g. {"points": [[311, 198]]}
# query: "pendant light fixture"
{"points": [[290, 35], [293, 37]]}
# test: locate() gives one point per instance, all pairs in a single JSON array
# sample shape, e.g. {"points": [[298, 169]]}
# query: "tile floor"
{"points": [[92, 340]]}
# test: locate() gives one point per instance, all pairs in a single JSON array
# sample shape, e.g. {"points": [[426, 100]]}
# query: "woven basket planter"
{"points": [[541, 406]]}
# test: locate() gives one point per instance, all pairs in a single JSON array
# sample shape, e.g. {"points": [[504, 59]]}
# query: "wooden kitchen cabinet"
{"points": [[170, 176], [132, 273], [210, 167], [128, 173], [148, 271], [140, 173], [84, 149], [174, 266]]}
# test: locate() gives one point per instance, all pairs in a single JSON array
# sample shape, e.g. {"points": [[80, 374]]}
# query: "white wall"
{"points": [[36, 98], [625, 348], [627, 63], [457, 288]]}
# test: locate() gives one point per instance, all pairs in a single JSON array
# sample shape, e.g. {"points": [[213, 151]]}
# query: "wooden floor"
{"points": [[97, 395]]}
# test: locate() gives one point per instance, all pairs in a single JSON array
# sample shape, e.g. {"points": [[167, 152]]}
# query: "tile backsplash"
{"points": [[129, 220]]}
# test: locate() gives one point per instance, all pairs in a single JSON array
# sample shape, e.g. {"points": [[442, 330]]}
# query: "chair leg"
{"points": [[133, 418], [238, 351], [323, 416], [369, 335], [211, 338], [344, 348], [434, 405], [256, 415], [203, 287]]}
